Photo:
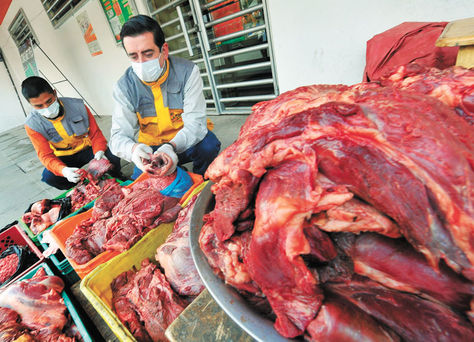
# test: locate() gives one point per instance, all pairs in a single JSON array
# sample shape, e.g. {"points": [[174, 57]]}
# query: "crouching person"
{"points": [[64, 134]]}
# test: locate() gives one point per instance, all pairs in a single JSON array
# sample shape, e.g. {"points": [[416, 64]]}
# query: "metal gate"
{"points": [[230, 42]]}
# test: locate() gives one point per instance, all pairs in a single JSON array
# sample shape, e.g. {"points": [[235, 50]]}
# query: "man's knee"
{"points": [[57, 182], [209, 146], [113, 159]]}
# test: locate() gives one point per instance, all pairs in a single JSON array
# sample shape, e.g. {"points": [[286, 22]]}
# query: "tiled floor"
{"points": [[20, 169]]}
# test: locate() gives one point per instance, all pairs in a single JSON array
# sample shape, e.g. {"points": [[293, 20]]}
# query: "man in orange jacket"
{"points": [[64, 134]]}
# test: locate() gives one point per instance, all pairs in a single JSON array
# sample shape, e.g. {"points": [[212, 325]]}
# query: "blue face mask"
{"points": [[50, 112]]}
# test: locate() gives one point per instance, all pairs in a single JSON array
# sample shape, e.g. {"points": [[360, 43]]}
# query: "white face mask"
{"points": [[148, 71], [50, 112]]}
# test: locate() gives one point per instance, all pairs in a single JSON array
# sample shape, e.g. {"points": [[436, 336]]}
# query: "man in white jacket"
{"points": [[159, 104]]}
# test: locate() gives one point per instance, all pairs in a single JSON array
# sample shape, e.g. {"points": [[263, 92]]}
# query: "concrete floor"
{"points": [[20, 169]]}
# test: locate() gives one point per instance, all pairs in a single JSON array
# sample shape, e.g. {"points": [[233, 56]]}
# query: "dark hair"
{"points": [[140, 24], [34, 86]]}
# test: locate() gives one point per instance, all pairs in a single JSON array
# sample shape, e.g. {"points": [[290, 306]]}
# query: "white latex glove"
{"points": [[71, 174], [173, 157], [141, 151], [99, 155]]}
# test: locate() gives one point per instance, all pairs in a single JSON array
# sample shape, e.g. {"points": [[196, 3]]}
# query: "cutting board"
{"points": [[460, 33]]}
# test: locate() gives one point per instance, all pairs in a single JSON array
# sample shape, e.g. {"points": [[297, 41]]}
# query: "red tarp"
{"points": [[405, 43]]}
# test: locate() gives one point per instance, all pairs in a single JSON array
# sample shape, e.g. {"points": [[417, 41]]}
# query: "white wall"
{"points": [[319, 41], [92, 76], [11, 113]]}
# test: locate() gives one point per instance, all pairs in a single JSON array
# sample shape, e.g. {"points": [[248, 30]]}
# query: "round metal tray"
{"points": [[228, 298]]}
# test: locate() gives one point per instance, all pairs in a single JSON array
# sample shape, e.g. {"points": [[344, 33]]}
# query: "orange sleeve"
{"points": [[44, 152], [95, 134]]}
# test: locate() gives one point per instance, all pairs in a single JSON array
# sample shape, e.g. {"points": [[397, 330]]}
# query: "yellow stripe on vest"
{"points": [[163, 127], [70, 144]]}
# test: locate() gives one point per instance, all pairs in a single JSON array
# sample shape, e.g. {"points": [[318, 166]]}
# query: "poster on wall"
{"points": [[28, 59], [88, 34], [117, 13]]}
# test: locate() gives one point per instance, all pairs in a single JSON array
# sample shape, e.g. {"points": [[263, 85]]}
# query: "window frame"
{"points": [[69, 13], [31, 34]]}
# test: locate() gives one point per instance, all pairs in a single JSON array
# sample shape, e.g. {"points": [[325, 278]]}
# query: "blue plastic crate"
{"points": [[67, 301]]}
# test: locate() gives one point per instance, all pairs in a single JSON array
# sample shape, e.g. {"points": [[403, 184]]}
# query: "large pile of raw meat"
{"points": [[349, 210], [148, 301], [120, 217], [145, 302], [33, 310]]}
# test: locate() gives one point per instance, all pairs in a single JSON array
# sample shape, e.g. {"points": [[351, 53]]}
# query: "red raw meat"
{"points": [[42, 215], [98, 168], [145, 302], [85, 193], [8, 267], [174, 256], [287, 195], [321, 247], [110, 197], [398, 163], [11, 329], [454, 86], [226, 258], [125, 310], [119, 219], [395, 264], [338, 320], [158, 165], [39, 303], [411, 317], [381, 138]]}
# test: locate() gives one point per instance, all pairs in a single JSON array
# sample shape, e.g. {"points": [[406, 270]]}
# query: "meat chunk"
{"points": [[274, 257], [338, 320], [39, 303], [175, 257], [145, 302], [119, 219], [411, 317], [395, 264], [454, 85]]}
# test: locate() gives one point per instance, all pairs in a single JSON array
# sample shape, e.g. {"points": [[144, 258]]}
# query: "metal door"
{"points": [[230, 42]]}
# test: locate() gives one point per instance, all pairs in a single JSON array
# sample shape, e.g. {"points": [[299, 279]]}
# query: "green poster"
{"points": [[117, 13]]}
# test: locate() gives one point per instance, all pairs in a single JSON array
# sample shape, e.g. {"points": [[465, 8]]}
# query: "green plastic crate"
{"points": [[67, 301]]}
